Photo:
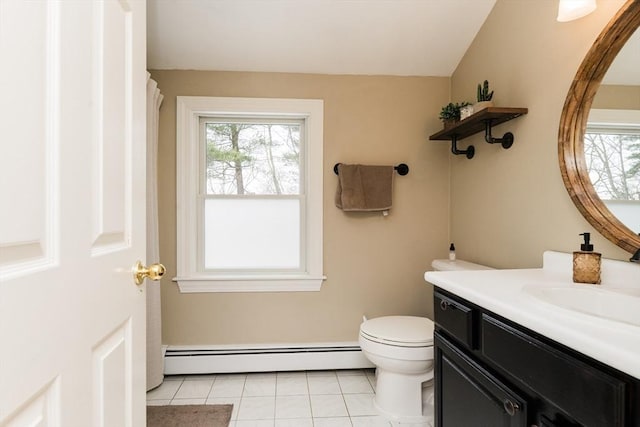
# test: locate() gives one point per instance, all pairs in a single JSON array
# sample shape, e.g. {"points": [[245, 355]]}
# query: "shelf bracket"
{"points": [[469, 152], [506, 141]]}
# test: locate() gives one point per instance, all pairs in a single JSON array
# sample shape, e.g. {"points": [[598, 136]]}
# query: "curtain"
{"points": [[155, 357]]}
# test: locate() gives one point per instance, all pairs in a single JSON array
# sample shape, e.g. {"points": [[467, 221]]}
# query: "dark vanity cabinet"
{"points": [[491, 372]]}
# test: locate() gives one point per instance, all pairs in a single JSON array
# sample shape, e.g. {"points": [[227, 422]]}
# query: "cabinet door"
{"points": [[468, 395], [587, 394]]}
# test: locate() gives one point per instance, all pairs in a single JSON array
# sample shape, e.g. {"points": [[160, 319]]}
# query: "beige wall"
{"points": [[374, 265], [508, 206], [617, 97]]}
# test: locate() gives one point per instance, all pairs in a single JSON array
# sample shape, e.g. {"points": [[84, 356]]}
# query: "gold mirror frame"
{"points": [[573, 123]]}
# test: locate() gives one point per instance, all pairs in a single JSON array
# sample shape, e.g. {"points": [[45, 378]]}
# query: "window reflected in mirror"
{"points": [[612, 156]]}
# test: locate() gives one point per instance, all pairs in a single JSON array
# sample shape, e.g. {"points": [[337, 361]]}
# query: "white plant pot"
{"points": [[466, 112], [482, 105]]}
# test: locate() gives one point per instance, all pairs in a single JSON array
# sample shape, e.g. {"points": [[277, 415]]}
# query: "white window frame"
{"points": [[189, 277], [616, 119]]}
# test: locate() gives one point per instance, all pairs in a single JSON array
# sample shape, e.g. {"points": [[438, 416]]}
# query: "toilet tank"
{"points": [[446, 265]]}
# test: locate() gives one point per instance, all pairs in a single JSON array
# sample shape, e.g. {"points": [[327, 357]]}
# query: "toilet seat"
{"points": [[399, 331]]}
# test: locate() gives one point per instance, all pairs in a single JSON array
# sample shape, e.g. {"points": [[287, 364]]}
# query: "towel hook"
{"points": [[402, 169]]}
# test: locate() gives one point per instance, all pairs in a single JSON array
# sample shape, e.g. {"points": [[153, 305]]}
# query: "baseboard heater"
{"points": [[181, 360]]}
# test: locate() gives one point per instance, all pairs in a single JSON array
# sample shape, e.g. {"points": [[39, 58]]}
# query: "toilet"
{"points": [[401, 348]]}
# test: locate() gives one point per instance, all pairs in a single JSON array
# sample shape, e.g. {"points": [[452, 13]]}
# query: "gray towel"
{"points": [[364, 188]]}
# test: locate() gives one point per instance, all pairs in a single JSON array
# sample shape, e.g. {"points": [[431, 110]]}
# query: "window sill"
{"points": [[253, 284]]}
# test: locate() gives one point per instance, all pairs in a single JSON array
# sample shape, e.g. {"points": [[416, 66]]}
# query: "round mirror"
{"points": [[573, 128], [612, 137]]}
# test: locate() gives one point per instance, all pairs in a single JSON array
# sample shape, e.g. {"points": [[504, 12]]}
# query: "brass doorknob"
{"points": [[153, 272]]}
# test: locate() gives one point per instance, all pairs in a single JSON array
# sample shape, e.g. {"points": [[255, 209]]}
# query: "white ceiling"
{"points": [[383, 37], [624, 69]]}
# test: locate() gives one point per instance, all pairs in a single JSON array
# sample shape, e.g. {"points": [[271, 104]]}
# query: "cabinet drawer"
{"points": [[468, 395], [456, 318], [592, 397]]}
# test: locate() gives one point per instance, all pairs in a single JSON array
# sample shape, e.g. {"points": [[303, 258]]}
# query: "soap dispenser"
{"points": [[586, 263]]}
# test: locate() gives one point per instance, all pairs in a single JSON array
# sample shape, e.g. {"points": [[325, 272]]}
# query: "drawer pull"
{"points": [[510, 408], [444, 304]]}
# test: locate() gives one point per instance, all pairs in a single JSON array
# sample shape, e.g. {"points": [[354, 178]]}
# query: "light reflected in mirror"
{"points": [[601, 76], [612, 137]]}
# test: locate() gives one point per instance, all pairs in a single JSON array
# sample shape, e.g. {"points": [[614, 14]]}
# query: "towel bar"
{"points": [[402, 169]]}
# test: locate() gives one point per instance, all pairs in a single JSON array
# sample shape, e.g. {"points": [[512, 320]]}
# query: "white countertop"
{"points": [[614, 343]]}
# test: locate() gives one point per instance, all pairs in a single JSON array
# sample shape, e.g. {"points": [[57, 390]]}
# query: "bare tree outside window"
{"points": [[613, 162], [251, 158]]}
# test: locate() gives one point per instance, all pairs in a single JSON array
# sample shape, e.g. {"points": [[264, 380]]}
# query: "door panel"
{"points": [[42, 409], [111, 378], [112, 155], [29, 148], [72, 184]]}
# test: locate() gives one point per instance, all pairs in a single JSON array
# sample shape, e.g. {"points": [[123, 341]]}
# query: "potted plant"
{"points": [[466, 111], [484, 97], [450, 113]]}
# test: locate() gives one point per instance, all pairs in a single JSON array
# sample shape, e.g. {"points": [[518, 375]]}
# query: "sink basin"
{"points": [[617, 304]]}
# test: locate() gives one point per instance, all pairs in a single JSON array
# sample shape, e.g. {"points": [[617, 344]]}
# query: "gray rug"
{"points": [[189, 416]]}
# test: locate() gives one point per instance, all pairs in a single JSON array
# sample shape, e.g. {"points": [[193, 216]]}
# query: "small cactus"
{"points": [[483, 92]]}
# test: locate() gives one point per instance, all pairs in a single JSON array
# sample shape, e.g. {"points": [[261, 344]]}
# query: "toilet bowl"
{"points": [[401, 348]]}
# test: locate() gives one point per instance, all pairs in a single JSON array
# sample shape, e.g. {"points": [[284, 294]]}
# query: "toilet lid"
{"points": [[399, 330]]}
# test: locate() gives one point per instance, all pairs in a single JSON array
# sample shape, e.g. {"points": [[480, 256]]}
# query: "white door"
{"points": [[72, 167]]}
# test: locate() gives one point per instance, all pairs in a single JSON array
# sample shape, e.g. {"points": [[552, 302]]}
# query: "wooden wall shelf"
{"points": [[483, 120]]}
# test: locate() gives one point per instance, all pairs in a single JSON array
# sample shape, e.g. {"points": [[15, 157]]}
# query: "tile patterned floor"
{"points": [[342, 398]]}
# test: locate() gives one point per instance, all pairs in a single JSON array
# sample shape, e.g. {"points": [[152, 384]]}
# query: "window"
{"points": [[612, 156], [249, 194], [612, 153]]}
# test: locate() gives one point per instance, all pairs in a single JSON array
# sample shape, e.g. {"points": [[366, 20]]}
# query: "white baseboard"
{"points": [[182, 360]]}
